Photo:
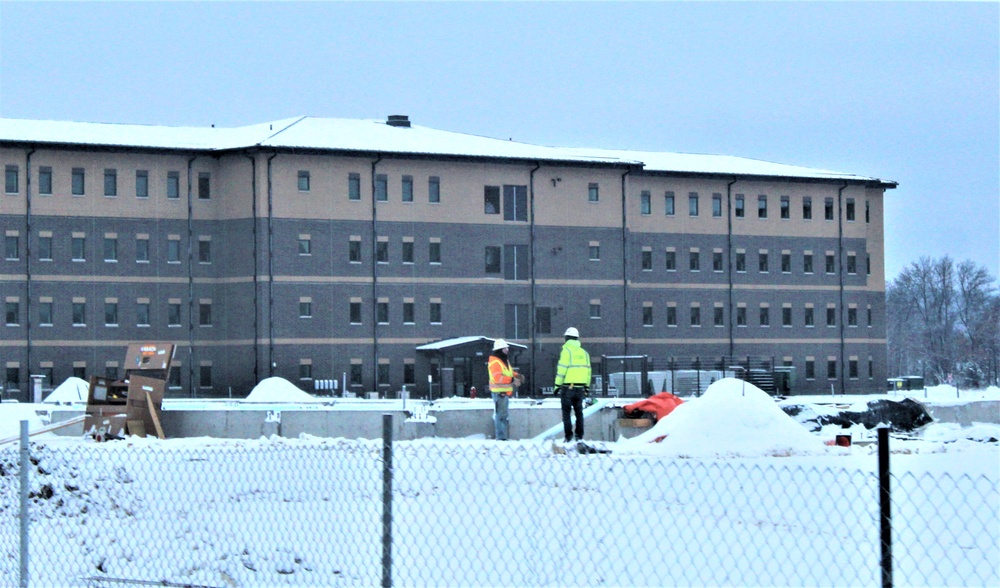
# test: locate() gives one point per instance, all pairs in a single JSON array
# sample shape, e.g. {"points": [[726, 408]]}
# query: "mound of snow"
{"points": [[732, 419], [72, 390], [12, 415], [278, 390]]}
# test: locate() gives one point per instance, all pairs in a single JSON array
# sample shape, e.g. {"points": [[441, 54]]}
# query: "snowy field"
{"points": [[735, 493]]}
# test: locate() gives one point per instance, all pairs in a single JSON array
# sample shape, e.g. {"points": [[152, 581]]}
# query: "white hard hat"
{"points": [[499, 344], [572, 332]]}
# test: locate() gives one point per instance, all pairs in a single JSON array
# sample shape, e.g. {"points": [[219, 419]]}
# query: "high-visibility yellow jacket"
{"points": [[574, 365], [501, 376]]}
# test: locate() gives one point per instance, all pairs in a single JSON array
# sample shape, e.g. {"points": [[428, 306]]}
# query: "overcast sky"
{"points": [[906, 91]]}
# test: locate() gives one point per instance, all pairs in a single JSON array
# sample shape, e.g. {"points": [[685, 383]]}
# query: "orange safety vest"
{"points": [[501, 376]]}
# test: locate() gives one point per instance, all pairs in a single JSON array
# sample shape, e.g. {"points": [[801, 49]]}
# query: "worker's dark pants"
{"points": [[572, 400]]}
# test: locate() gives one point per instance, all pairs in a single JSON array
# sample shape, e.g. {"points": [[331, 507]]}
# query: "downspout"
{"points": [[270, 269], [531, 237], [625, 261], [256, 301], [375, 277], [729, 254], [27, 265], [190, 267], [840, 276]]}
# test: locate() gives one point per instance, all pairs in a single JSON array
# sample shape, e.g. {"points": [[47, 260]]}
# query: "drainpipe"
{"points": [[190, 268], [625, 260], [531, 317], [270, 268], [27, 265], [256, 310], [729, 254], [840, 276], [378, 158]]}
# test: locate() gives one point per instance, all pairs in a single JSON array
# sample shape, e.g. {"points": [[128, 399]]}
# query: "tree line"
{"points": [[943, 323]]}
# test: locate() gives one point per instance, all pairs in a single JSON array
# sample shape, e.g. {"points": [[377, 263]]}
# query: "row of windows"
{"points": [[763, 261], [78, 182], [695, 317], [111, 370], [78, 248], [739, 206], [46, 309]]}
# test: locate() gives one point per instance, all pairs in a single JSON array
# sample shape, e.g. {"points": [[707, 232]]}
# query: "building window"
{"points": [[828, 209], [305, 309], [852, 369], [204, 186], [831, 368], [741, 316], [173, 250], [830, 266], [765, 316], [434, 251], [383, 374], [12, 313], [354, 251], [174, 314], [762, 262], [408, 313], [305, 371], [762, 206], [716, 261], [111, 314], [786, 263], [849, 211], [807, 318], [668, 200], [515, 262], [12, 247], [409, 374], [492, 259], [515, 203], [869, 313], [434, 189], [807, 208], [45, 181], [671, 316], [173, 185], [407, 192], [595, 310], [695, 316], [741, 262], [435, 313], [491, 199], [868, 264], [645, 205], [594, 252], [786, 316], [355, 316], [142, 314], [13, 378], [79, 246], [671, 264], [141, 184], [45, 314], [647, 260], [807, 263], [356, 374], [831, 316], [304, 181], [111, 249], [593, 192], [647, 316], [717, 205], [407, 251], [810, 369], [516, 321], [205, 314], [382, 312], [305, 245], [11, 183], [205, 376], [852, 316], [786, 208], [382, 188], [382, 252], [354, 187], [718, 316], [868, 212], [693, 204], [852, 263], [45, 247], [871, 369], [740, 207], [78, 181], [79, 314], [543, 320], [694, 260], [110, 182]]}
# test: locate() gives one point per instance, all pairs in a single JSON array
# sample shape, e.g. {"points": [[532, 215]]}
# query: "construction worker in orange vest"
{"points": [[503, 380]]}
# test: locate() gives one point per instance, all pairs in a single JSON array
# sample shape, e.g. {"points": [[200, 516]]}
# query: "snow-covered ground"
{"points": [[734, 493]]}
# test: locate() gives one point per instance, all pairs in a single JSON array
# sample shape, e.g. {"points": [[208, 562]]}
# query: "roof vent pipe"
{"points": [[398, 120]]}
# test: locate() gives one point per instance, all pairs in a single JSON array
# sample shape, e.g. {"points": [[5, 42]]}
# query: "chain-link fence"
{"points": [[332, 512]]}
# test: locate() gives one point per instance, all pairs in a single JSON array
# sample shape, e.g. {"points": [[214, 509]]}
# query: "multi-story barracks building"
{"points": [[328, 249]]}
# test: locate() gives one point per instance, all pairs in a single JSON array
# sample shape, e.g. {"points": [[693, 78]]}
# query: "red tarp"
{"points": [[661, 405]]}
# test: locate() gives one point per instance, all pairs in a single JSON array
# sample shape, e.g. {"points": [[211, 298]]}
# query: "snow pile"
{"points": [[732, 419], [278, 390], [72, 390], [11, 415]]}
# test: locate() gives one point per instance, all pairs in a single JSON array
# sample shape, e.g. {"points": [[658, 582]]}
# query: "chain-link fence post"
{"points": [[25, 463], [885, 505], [386, 501]]}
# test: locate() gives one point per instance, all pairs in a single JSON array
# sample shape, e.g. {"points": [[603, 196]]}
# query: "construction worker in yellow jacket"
{"points": [[503, 379], [573, 382]]}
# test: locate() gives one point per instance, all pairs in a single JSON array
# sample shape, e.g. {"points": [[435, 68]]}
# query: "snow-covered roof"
{"points": [[458, 341], [353, 135]]}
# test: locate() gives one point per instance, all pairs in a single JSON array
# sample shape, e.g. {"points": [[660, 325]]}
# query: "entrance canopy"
{"points": [[465, 347], [463, 362]]}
